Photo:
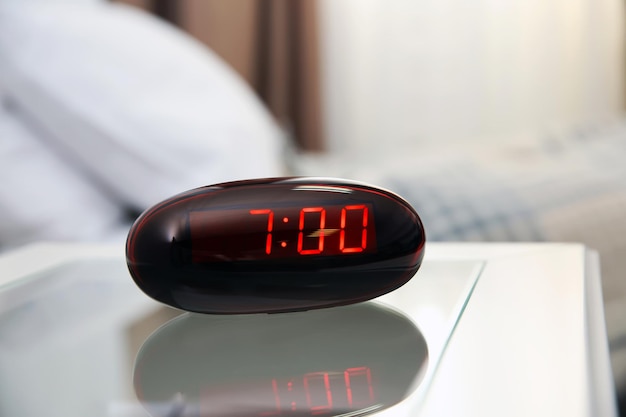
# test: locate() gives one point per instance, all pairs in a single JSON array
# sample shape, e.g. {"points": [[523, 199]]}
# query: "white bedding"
{"points": [[567, 188], [104, 110]]}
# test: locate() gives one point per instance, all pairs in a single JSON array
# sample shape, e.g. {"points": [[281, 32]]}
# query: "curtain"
{"points": [[272, 44], [401, 73]]}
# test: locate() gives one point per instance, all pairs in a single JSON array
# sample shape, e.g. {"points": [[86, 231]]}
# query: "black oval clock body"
{"points": [[275, 245]]}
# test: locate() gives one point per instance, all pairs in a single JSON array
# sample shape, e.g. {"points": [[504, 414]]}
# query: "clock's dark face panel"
{"points": [[275, 245], [281, 232], [352, 360]]}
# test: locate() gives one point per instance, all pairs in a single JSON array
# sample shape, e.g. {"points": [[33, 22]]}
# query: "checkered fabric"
{"points": [[567, 188]]}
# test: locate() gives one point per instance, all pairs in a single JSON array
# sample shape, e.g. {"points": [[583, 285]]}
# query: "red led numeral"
{"points": [[353, 223], [276, 402], [321, 392], [270, 226], [342, 234], [354, 389], [319, 234]]}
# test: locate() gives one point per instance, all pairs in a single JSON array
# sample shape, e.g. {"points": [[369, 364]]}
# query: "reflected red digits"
{"points": [[276, 401], [325, 398], [354, 372]]}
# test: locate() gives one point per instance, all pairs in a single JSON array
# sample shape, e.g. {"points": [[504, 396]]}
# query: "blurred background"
{"points": [[498, 120], [356, 76], [349, 75]]}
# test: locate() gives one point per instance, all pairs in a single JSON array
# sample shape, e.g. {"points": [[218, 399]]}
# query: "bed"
{"points": [[84, 149]]}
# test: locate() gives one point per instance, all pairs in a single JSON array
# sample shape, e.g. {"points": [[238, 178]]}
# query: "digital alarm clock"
{"points": [[275, 245], [322, 363]]}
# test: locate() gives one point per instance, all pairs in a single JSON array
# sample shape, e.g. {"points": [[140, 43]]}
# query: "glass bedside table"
{"points": [[480, 329]]}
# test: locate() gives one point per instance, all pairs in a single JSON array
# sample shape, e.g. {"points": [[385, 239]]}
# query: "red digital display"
{"points": [[281, 232], [315, 394], [323, 392]]}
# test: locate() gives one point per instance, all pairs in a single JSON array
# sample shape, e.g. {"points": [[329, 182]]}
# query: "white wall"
{"points": [[400, 72]]}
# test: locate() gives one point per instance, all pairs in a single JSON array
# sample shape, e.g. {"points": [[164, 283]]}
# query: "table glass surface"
{"points": [[80, 339]]}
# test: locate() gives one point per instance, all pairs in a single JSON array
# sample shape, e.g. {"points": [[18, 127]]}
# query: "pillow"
{"points": [[43, 199], [133, 104]]}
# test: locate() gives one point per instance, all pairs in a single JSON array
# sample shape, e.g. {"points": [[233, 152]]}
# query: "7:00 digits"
{"points": [[309, 213]]}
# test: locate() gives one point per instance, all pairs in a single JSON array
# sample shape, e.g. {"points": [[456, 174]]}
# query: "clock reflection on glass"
{"points": [[351, 360], [315, 393]]}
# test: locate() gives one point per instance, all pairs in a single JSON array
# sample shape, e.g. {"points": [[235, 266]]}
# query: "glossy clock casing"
{"points": [[160, 250]]}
